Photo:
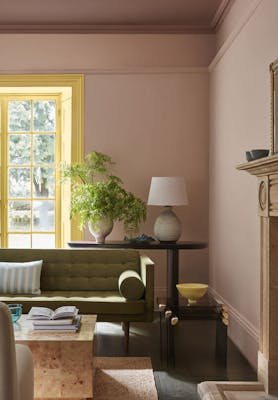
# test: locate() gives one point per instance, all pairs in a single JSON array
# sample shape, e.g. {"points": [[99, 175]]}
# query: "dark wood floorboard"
{"points": [[195, 359]]}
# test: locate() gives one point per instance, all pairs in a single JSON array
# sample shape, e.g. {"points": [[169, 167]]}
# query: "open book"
{"points": [[44, 313]]}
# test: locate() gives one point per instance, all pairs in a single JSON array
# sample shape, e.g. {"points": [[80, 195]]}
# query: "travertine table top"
{"points": [[23, 331]]}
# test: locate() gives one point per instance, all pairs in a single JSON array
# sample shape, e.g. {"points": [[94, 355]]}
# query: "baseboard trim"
{"points": [[244, 334]]}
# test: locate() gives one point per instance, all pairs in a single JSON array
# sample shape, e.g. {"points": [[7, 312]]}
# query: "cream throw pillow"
{"points": [[20, 277]]}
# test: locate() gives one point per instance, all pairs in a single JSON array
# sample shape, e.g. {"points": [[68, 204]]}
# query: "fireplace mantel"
{"points": [[266, 170], [261, 167]]}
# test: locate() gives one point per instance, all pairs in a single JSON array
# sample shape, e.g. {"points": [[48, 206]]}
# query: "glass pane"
{"points": [[44, 116], [43, 215], [17, 241], [19, 182], [44, 149], [41, 241], [19, 149], [19, 216], [19, 116], [43, 182]]}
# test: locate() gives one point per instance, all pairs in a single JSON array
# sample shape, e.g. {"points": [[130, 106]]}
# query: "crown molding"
{"points": [[221, 13], [106, 29], [143, 70], [234, 34]]}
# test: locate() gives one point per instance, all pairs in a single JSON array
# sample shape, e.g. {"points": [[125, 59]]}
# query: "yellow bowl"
{"points": [[192, 291]]}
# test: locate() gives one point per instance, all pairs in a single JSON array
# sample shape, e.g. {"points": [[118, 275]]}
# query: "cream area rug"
{"points": [[124, 378]]}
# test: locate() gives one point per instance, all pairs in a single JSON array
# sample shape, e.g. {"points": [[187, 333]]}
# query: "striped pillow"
{"points": [[20, 277]]}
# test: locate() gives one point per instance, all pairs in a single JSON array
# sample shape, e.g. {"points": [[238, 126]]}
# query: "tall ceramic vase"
{"points": [[101, 229]]}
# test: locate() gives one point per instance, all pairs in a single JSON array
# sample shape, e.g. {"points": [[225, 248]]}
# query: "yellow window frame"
{"points": [[72, 136]]}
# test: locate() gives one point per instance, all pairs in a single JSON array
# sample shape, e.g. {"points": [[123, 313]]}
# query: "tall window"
{"points": [[41, 124], [30, 153]]}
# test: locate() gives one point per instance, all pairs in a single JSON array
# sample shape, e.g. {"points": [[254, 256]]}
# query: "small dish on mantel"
{"points": [[256, 154]]}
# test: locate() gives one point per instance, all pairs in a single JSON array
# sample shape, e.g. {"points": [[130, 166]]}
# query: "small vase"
{"points": [[101, 229]]}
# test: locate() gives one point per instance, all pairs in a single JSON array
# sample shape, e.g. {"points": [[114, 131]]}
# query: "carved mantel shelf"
{"points": [[261, 167], [266, 169]]}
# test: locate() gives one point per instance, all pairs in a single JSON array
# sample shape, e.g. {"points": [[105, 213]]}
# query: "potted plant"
{"points": [[98, 197]]}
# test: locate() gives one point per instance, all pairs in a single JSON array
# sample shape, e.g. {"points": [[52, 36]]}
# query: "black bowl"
{"points": [[248, 156], [259, 153]]}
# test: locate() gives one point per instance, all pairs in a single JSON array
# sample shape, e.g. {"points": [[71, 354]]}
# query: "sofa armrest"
{"points": [[147, 275]]}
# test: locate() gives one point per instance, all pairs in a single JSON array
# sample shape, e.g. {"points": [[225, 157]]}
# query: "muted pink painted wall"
{"points": [[239, 121], [146, 104], [156, 126], [67, 52]]}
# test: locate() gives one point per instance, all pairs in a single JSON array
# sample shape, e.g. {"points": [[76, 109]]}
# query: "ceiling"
{"points": [[110, 16]]}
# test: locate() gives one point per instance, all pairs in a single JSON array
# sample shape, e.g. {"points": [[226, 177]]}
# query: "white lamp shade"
{"points": [[167, 191]]}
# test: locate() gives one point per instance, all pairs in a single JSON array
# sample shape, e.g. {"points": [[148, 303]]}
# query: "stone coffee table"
{"points": [[63, 362]]}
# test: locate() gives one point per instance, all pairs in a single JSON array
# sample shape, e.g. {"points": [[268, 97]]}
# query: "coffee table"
{"points": [[63, 361]]}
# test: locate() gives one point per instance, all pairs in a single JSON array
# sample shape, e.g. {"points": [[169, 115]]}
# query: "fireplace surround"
{"points": [[266, 171]]}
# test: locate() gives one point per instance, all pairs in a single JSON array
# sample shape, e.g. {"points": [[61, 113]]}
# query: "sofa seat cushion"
{"points": [[88, 302]]}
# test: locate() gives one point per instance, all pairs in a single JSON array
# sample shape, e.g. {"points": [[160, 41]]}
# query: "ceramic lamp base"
{"points": [[167, 227]]}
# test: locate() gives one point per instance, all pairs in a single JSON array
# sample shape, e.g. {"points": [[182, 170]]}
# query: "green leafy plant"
{"points": [[97, 194]]}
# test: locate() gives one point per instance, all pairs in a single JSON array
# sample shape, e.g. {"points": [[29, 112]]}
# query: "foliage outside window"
{"points": [[30, 151]]}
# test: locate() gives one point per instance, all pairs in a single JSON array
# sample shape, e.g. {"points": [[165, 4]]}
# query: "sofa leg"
{"points": [[125, 326]]}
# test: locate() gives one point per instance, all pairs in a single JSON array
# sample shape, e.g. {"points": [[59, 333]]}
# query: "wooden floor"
{"points": [[195, 359]]}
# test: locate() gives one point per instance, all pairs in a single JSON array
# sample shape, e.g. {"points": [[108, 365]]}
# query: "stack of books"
{"points": [[64, 319]]}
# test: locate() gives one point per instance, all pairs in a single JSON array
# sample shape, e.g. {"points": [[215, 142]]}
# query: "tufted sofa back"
{"points": [[77, 269]]}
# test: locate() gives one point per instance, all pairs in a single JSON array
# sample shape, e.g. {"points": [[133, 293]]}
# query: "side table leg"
{"points": [[170, 343], [172, 275], [160, 337], [221, 341]]}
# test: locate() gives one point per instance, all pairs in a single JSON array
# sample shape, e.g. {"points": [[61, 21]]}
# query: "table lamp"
{"points": [[167, 191]]}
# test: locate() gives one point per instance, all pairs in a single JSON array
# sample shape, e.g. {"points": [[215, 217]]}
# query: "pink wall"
{"points": [[156, 125], [69, 52], [239, 121], [146, 104]]}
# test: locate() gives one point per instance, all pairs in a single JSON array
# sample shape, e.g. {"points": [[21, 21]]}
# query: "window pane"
{"points": [[19, 149], [44, 149], [44, 116], [41, 241], [19, 216], [19, 182], [43, 182], [19, 116], [43, 215], [17, 241]]}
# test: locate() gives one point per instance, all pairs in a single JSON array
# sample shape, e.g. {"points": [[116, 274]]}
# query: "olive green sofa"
{"points": [[88, 279]]}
